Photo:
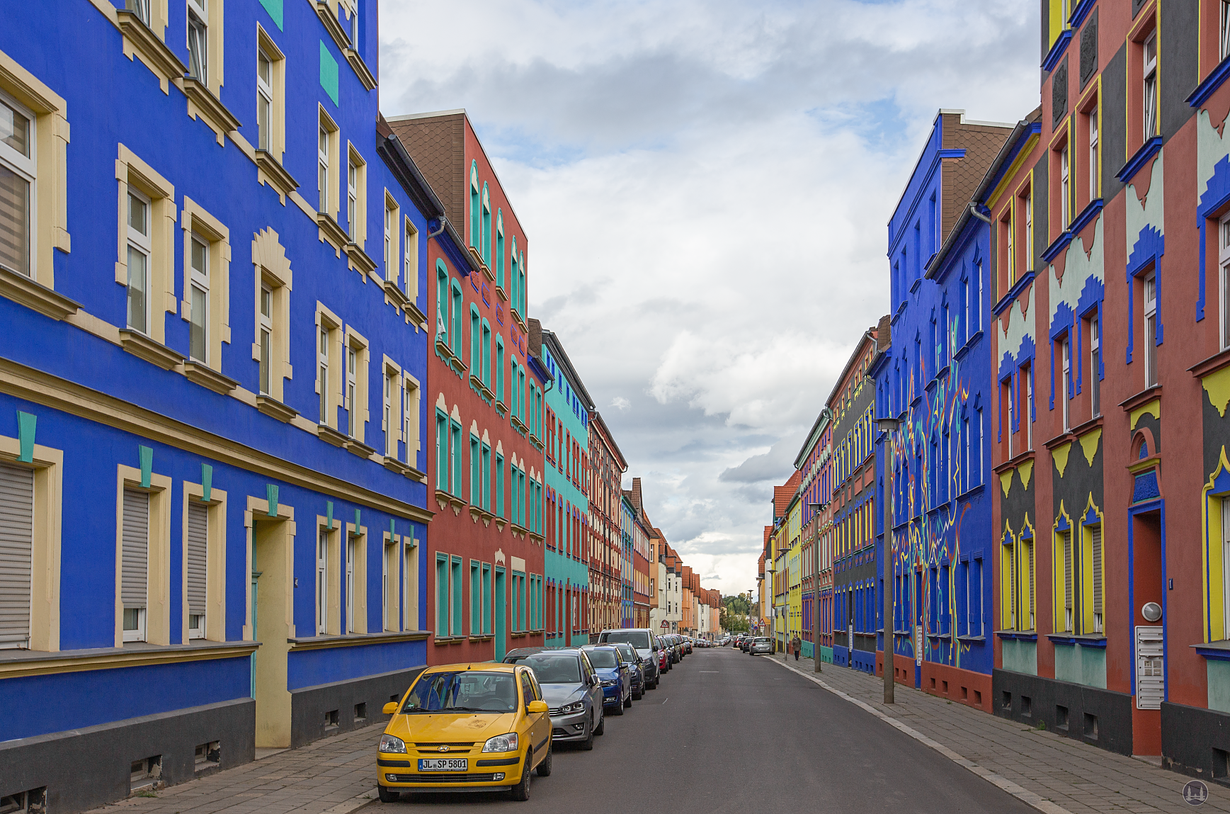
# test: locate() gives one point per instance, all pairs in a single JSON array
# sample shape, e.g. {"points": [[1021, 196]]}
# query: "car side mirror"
{"points": [[390, 708], [536, 707], [594, 681]]}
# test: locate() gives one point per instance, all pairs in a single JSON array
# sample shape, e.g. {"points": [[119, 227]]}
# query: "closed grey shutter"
{"points": [[135, 552], [198, 529], [16, 542], [1096, 545]]}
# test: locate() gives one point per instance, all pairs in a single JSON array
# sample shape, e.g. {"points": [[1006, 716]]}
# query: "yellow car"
{"points": [[474, 727]]}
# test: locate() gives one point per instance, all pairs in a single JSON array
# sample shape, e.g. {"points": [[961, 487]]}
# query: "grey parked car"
{"points": [[760, 645], [647, 647], [573, 692]]}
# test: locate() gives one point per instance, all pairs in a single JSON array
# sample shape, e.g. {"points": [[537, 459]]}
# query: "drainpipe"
{"points": [[973, 210], [443, 221]]}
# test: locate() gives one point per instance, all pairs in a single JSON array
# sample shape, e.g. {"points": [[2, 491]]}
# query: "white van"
{"points": [[646, 645]]}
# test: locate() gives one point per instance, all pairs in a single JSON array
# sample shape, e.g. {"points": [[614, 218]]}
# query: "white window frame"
{"points": [[410, 262], [351, 550], [352, 378], [1065, 186], [1223, 261], [265, 339], [264, 101], [1029, 232], [198, 283], [390, 440], [323, 148], [1149, 300], [1028, 405], [1065, 363], [1094, 192], [352, 199], [1069, 581], [143, 245], [1224, 30], [322, 581], [390, 219], [1148, 107], [139, 8], [25, 168], [1095, 384], [198, 68], [324, 341]]}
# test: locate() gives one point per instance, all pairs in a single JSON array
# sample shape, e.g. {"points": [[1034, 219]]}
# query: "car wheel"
{"points": [[628, 701], [638, 695], [544, 768], [601, 724], [521, 791], [588, 743], [387, 795], [618, 709]]}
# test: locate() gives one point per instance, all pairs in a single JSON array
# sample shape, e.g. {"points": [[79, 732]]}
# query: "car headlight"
{"points": [[388, 743], [575, 706], [501, 743], [609, 683]]}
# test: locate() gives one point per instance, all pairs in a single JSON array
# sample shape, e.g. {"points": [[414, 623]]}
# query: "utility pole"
{"points": [[888, 426]]}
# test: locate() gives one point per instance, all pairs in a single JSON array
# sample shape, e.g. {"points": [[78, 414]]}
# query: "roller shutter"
{"points": [[16, 544], [198, 531], [135, 553]]}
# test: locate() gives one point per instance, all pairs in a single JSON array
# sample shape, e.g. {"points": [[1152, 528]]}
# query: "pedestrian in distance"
{"points": [[797, 644]]}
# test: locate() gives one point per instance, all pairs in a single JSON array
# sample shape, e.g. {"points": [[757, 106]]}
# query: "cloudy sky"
{"points": [[705, 186]]}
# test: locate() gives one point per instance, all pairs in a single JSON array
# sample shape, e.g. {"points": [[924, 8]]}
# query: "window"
{"points": [[410, 420], [410, 265], [352, 553], [442, 298], [139, 8], [1094, 187], [476, 346], [17, 177], [1223, 257], [485, 478], [323, 139], [134, 558], [1150, 333], [1095, 559], [486, 233], [442, 459], [1027, 203], [442, 603], [486, 604], [1224, 39], [390, 601], [455, 454], [139, 250], [475, 463], [352, 381], [264, 101], [356, 198], [476, 598], [196, 551], [475, 207], [1095, 364], [17, 554], [351, 8], [1065, 543], [499, 486], [322, 581], [1008, 405], [1065, 372], [323, 353], [499, 366], [485, 371], [392, 214], [266, 339], [455, 330], [499, 249], [391, 424], [1065, 188], [454, 627], [198, 41], [410, 583], [1008, 247], [1149, 86], [198, 300], [1027, 404]]}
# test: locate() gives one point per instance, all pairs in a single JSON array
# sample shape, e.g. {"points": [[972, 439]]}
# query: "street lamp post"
{"points": [[819, 509], [888, 426]]}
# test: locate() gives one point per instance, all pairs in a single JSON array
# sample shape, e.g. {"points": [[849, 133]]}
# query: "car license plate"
{"points": [[443, 764]]}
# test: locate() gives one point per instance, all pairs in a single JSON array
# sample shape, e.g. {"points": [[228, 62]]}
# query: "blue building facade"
{"points": [[209, 396], [566, 504], [935, 377]]}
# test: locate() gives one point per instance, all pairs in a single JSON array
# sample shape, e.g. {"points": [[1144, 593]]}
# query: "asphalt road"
{"points": [[726, 732]]}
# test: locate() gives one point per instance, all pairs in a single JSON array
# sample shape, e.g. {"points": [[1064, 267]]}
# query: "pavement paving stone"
{"points": [[1071, 774]]}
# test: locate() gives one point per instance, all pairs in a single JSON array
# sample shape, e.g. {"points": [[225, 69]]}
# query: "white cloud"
{"points": [[705, 186]]}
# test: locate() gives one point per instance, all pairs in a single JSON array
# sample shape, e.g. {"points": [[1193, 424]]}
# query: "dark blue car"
{"points": [[615, 675]]}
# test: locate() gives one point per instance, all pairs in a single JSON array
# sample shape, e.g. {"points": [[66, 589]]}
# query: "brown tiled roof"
{"points": [[961, 176], [437, 145], [782, 495]]}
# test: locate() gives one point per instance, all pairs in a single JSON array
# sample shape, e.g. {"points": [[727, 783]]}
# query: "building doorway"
{"points": [[271, 544]]}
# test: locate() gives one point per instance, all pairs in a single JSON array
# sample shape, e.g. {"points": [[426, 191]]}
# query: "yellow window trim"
{"points": [[278, 137], [333, 602], [158, 585], [194, 219], [215, 562], [131, 171], [273, 269], [359, 600], [48, 465], [355, 339]]}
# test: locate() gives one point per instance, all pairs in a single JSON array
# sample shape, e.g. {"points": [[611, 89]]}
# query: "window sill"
{"points": [[28, 292], [416, 316], [206, 376], [443, 640], [360, 68], [270, 170], [328, 641], [1212, 364], [392, 464], [1142, 156], [205, 107], [140, 41], [330, 435], [330, 230], [359, 260], [1142, 398], [1013, 292], [971, 639], [16, 663], [1018, 635], [1012, 463], [1071, 639], [970, 342], [276, 409], [141, 346], [1217, 651]]}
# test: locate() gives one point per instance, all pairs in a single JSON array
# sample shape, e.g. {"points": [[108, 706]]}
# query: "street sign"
{"points": [[664, 624]]}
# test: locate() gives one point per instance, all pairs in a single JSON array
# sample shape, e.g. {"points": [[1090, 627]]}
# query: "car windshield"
{"points": [[761, 641], [463, 692], [628, 652], [555, 669], [637, 638], [602, 659]]}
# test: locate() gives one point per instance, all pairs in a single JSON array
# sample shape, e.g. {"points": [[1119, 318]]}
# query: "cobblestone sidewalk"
{"points": [[331, 776], [1052, 773]]}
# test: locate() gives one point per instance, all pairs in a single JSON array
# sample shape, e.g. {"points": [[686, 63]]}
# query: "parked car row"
{"points": [[489, 726], [753, 645]]}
